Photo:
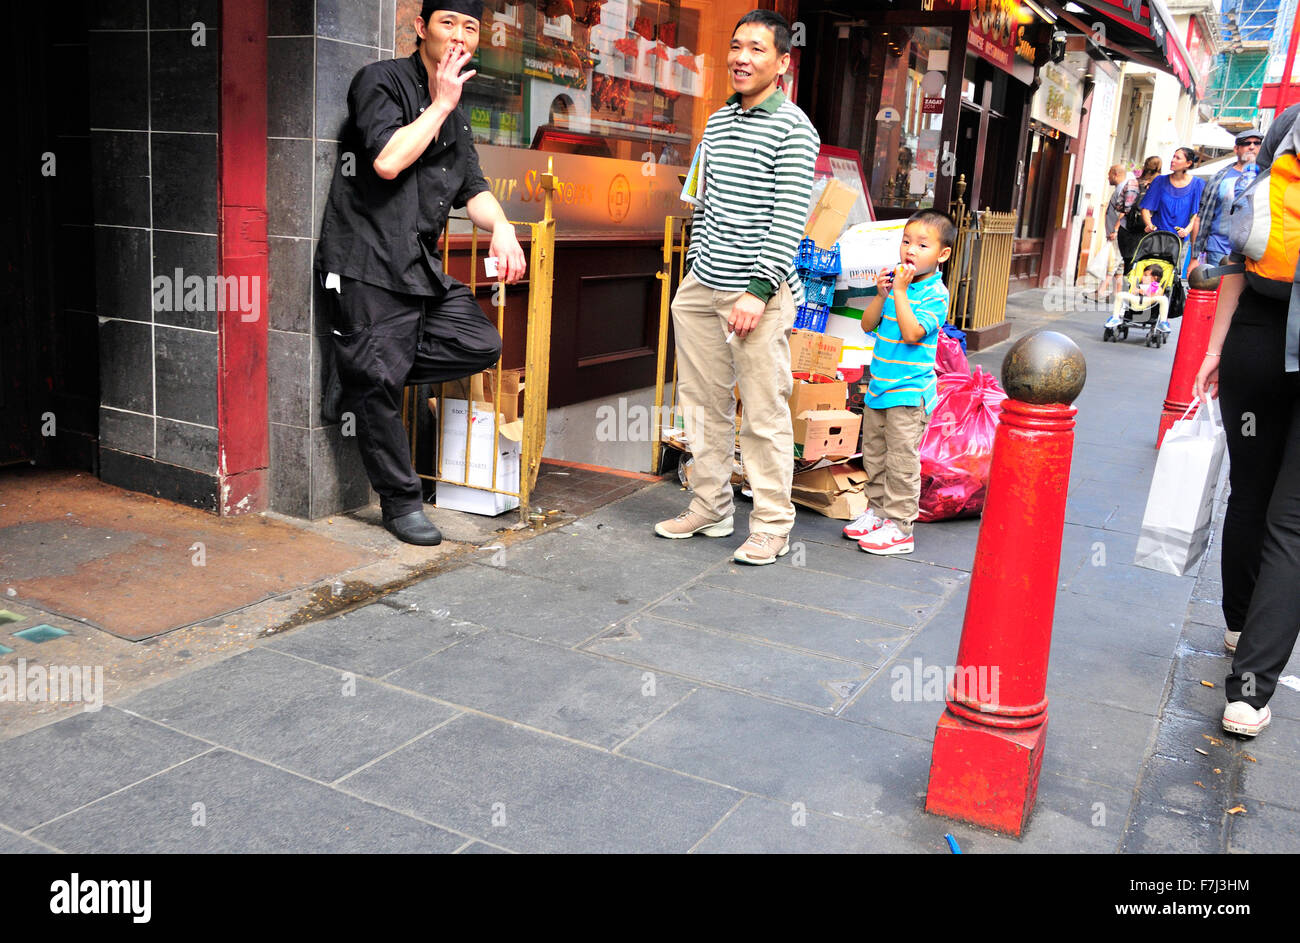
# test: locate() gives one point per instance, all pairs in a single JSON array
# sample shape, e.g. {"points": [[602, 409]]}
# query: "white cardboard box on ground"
{"points": [[481, 448]]}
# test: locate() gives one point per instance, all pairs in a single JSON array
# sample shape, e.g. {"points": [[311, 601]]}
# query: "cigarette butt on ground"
{"points": [[1236, 809], [1208, 684], [1202, 752]]}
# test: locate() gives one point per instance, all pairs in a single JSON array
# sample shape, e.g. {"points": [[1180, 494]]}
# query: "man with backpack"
{"points": [[1253, 360], [1216, 203]]}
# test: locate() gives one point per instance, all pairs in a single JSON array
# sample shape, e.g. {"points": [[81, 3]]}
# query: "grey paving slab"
{"points": [[636, 542], [565, 692], [1099, 622], [1074, 817], [531, 607], [478, 848], [1172, 814], [852, 597], [776, 751], [587, 563], [1139, 586], [1134, 682], [903, 696], [903, 572], [1095, 742], [1193, 700], [11, 843], [297, 715], [1265, 829], [223, 803], [764, 827], [62, 766], [727, 659], [1268, 779], [375, 639], [810, 629], [547, 795]]}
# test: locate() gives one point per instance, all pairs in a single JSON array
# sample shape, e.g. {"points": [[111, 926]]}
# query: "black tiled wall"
{"points": [[153, 94], [315, 48]]}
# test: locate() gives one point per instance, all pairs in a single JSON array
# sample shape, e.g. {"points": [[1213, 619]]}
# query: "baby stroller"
{"points": [[1165, 251]]}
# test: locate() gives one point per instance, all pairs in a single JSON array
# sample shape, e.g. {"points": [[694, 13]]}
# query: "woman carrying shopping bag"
{"points": [[1251, 364]]}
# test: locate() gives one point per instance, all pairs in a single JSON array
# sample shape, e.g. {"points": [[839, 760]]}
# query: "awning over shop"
{"points": [[1140, 31]]}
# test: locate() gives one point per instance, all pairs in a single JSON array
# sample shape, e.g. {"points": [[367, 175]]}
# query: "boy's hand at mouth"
{"points": [[903, 276]]}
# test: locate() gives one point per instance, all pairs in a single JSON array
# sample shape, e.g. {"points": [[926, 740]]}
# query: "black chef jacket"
{"points": [[383, 232]]}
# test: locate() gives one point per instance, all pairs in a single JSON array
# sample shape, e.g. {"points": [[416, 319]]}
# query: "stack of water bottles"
{"points": [[817, 270]]}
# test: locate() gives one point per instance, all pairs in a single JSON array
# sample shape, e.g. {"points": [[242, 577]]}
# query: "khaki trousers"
{"points": [[707, 370], [891, 457]]}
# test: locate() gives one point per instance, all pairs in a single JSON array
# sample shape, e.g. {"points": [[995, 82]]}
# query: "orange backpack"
{"points": [[1265, 228]]}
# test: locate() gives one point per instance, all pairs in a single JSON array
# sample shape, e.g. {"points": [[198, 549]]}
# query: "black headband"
{"points": [[472, 8]]}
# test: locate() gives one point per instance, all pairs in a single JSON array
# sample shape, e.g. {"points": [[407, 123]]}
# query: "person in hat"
{"points": [[1212, 243], [406, 159]]}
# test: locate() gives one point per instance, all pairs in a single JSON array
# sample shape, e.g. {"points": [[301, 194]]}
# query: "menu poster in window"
{"points": [[846, 166]]}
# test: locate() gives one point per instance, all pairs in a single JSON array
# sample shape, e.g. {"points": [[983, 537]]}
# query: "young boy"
{"points": [[911, 303], [1149, 292]]}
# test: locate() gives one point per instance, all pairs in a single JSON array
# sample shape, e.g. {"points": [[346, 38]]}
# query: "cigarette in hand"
{"points": [[731, 336]]}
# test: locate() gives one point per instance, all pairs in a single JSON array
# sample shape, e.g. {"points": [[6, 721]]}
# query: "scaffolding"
{"points": [[1248, 29]]}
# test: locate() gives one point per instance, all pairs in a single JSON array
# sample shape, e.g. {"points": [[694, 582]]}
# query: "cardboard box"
{"points": [[482, 453], [826, 433], [811, 352], [837, 491], [481, 388], [512, 392], [831, 214], [806, 396]]}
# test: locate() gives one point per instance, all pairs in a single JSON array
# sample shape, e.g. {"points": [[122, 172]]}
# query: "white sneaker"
{"points": [[862, 525], [1239, 717], [1113, 321], [1164, 328], [1230, 640], [886, 540]]}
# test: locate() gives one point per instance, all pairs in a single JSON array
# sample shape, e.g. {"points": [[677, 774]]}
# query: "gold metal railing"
{"points": [[997, 233], [537, 366], [676, 240], [980, 271]]}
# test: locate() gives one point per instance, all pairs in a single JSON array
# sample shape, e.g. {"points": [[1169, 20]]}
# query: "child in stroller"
{"points": [[1154, 289]]}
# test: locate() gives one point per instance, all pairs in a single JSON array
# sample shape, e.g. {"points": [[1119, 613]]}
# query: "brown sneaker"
{"points": [[689, 523], [761, 548]]}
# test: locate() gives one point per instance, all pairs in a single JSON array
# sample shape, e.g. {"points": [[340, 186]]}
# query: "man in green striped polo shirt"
{"points": [[733, 312]]}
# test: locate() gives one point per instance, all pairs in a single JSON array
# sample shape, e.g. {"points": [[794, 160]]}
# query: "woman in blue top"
{"points": [[1173, 201]]}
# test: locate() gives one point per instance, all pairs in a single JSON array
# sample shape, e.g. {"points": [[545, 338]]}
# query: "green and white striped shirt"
{"points": [[758, 175]]}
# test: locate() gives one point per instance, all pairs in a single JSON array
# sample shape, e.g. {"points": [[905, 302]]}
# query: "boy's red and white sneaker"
{"points": [[887, 539], [862, 525]]}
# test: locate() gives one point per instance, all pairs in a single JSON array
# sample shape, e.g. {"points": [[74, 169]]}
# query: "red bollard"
{"points": [[988, 746], [1193, 339]]}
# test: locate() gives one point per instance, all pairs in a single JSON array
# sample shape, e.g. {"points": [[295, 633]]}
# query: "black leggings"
{"points": [[1261, 529]]}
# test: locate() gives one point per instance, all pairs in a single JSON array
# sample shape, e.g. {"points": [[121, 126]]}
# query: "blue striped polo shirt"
{"points": [[902, 374]]}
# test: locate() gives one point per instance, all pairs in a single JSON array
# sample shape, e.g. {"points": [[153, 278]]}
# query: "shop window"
{"points": [[905, 137], [605, 78]]}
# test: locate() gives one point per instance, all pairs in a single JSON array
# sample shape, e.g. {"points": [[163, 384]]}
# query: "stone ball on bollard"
{"points": [[1044, 367], [1196, 278]]}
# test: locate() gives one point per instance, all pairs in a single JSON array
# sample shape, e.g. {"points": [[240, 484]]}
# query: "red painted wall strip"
{"points": [[243, 421]]}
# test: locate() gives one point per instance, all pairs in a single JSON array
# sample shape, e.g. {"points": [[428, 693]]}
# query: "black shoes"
{"points": [[414, 528]]}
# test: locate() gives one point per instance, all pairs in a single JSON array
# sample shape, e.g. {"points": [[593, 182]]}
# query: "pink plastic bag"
{"points": [[950, 358], [957, 446]]}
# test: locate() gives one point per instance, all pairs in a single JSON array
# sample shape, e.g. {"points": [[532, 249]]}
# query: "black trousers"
{"points": [[1261, 529], [385, 340]]}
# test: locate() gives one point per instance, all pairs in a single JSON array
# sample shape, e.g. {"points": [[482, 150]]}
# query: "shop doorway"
{"points": [[49, 377]]}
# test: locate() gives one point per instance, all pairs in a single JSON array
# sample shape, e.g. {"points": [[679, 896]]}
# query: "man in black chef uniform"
{"points": [[400, 319]]}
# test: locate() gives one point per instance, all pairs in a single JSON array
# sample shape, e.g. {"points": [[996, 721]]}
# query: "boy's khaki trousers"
{"points": [[708, 368], [891, 457]]}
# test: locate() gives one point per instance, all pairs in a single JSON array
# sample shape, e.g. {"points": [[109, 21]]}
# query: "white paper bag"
{"points": [[1176, 525]]}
